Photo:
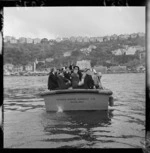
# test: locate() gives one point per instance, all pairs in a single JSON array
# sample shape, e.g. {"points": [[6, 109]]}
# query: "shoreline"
{"points": [[102, 73]]}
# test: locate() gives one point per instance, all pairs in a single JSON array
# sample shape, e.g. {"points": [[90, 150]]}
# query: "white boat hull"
{"points": [[76, 99]]}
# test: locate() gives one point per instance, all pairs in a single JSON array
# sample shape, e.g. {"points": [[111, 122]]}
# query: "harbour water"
{"points": [[28, 125]]}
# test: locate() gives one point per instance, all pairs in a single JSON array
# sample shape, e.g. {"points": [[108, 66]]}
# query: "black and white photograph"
{"points": [[74, 77]]}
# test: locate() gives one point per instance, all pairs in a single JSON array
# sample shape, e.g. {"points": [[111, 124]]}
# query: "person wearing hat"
{"points": [[52, 80]]}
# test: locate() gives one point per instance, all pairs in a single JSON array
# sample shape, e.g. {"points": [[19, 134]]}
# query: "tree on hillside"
{"points": [[133, 63], [93, 62], [44, 41], [75, 53], [26, 53]]}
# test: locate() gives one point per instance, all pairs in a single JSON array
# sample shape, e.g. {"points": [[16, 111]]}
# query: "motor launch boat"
{"points": [[77, 99]]}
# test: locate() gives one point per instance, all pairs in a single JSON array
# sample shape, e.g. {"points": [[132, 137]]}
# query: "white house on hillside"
{"points": [[29, 40], [36, 40], [93, 39], [8, 66], [18, 68], [86, 39], [22, 40], [123, 37], [58, 39], [13, 41], [119, 52], [67, 54], [8, 38], [132, 50], [29, 67], [99, 39], [134, 35], [79, 39], [141, 34], [49, 59]]}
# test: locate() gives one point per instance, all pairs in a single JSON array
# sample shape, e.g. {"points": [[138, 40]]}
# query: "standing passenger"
{"points": [[88, 81], [99, 75], [67, 73], [95, 79], [52, 80], [75, 77]]}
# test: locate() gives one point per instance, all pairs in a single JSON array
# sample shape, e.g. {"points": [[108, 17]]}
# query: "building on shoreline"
{"points": [[29, 67], [8, 67], [18, 68]]}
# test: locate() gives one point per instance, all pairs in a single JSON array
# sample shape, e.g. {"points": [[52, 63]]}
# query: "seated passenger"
{"points": [[63, 82], [75, 77], [52, 80]]}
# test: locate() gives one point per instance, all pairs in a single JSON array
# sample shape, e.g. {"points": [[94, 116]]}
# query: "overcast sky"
{"points": [[53, 22]]}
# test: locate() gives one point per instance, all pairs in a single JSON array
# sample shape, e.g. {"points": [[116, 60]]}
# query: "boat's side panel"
{"points": [[76, 101]]}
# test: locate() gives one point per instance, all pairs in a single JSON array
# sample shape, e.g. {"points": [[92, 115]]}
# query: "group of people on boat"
{"points": [[73, 78]]}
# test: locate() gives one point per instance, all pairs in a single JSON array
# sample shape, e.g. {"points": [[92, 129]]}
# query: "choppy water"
{"points": [[28, 125]]}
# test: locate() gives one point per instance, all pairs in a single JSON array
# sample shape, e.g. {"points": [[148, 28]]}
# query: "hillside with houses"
{"points": [[126, 50]]}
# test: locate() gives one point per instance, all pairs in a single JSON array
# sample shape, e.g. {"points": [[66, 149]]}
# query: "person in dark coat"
{"points": [[67, 73], [79, 72], [75, 77], [71, 67], [52, 80], [63, 82], [88, 81], [80, 75]]}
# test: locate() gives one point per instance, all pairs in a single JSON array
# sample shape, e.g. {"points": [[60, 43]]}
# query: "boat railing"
{"points": [[67, 91]]}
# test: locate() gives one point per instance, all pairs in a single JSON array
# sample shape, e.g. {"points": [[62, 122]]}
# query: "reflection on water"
{"points": [[28, 125], [74, 126]]}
